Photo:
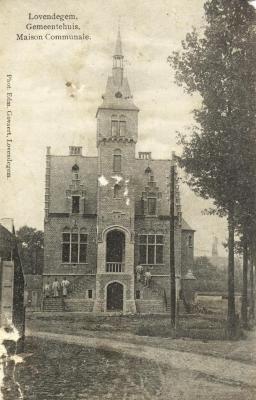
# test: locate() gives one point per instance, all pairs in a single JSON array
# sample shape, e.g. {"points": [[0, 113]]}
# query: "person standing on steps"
{"points": [[55, 288], [65, 284], [147, 278], [47, 289]]}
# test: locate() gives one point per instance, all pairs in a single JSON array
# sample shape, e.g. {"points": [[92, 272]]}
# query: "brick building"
{"points": [[107, 215]]}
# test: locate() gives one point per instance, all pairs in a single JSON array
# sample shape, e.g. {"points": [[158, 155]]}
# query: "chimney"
{"points": [[144, 155], [75, 150]]}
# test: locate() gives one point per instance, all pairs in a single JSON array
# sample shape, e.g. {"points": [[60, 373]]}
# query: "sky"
{"points": [[45, 113]]}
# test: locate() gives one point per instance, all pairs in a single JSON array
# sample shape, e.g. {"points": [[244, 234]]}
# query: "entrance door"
{"points": [[115, 296]]}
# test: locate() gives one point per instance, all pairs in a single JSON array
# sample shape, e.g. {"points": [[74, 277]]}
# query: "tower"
{"points": [[215, 247], [117, 132]]}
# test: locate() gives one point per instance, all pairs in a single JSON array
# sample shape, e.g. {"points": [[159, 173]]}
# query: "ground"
{"points": [[79, 356], [60, 370]]}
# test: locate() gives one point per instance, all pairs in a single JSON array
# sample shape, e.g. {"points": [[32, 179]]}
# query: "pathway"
{"points": [[231, 372]]}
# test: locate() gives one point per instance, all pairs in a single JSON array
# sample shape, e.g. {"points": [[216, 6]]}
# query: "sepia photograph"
{"points": [[128, 200]]}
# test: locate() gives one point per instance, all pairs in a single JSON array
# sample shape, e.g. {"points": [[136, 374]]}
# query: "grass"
{"points": [[193, 326]]}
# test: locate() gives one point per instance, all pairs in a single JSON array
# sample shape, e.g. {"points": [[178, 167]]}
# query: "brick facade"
{"points": [[113, 202]]}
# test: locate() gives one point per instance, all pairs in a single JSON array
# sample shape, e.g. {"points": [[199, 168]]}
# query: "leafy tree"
{"points": [[220, 65], [31, 243]]}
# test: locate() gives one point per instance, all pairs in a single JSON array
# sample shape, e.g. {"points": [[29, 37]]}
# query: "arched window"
{"points": [[75, 172], [117, 161], [117, 190], [148, 171], [114, 125], [122, 125]]}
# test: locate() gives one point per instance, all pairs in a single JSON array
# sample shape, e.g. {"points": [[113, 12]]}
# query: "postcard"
{"points": [[113, 279]]}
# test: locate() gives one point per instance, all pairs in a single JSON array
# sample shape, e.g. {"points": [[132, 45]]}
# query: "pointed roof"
{"points": [[186, 227], [118, 49], [118, 95]]}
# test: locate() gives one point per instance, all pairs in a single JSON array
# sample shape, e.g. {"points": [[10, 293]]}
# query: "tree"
{"points": [[215, 155], [211, 278], [31, 243]]}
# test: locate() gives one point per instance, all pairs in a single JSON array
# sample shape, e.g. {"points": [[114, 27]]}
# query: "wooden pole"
{"points": [[172, 248], [231, 320]]}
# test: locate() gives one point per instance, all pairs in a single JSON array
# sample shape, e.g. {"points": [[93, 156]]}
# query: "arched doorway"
{"points": [[115, 254], [115, 296]]}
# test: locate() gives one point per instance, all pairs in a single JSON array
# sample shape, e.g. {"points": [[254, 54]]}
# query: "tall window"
{"points": [[117, 190], [114, 125], [151, 249], [75, 204], [122, 126], [117, 161], [118, 125], [74, 247], [66, 247], [190, 241], [152, 206], [83, 247]]}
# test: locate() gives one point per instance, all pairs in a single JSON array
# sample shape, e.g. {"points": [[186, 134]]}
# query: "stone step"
{"points": [[53, 304]]}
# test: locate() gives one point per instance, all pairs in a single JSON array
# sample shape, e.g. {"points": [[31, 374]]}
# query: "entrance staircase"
{"points": [[53, 304], [153, 299], [76, 301]]}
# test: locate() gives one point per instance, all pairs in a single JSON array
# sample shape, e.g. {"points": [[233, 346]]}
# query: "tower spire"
{"points": [[118, 55], [118, 49]]}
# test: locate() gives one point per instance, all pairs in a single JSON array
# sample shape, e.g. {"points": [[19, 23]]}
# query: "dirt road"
{"points": [[200, 376]]}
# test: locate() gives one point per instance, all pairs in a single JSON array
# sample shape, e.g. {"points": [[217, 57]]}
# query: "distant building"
{"points": [[216, 260], [11, 279], [107, 218]]}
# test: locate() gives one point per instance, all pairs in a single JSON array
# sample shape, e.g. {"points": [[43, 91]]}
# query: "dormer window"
{"points": [[75, 204], [152, 206], [75, 172]]}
